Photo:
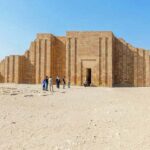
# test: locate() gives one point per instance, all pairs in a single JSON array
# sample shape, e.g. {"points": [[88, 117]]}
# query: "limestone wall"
{"points": [[49, 56], [131, 65], [59, 57], [89, 50], [17, 72], [45, 57], [112, 61], [2, 71], [43, 50], [9, 69]]}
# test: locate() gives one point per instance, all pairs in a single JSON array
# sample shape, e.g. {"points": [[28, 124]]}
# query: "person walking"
{"points": [[46, 86], [64, 82], [43, 84], [51, 84], [57, 82]]}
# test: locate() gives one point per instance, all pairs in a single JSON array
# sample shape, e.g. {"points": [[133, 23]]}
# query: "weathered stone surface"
{"points": [[111, 61]]}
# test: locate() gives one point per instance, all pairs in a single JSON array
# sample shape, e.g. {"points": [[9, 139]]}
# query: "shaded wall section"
{"points": [[59, 57], [131, 65], [2, 71], [42, 56], [49, 56]]}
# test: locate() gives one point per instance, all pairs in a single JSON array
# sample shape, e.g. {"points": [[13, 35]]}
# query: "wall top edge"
{"points": [[90, 33], [44, 35], [130, 45]]}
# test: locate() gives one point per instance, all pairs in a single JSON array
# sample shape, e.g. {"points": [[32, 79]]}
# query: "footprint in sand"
{"points": [[28, 95], [35, 91], [44, 95], [5, 92], [13, 94]]}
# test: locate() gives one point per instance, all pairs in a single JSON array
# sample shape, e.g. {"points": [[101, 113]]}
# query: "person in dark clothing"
{"points": [[46, 83], [64, 82], [58, 82], [43, 84]]}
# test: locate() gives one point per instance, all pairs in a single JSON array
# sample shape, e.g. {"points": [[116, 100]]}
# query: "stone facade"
{"points": [[98, 57]]}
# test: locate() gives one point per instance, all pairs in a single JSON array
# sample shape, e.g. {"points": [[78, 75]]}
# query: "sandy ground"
{"points": [[74, 119]]}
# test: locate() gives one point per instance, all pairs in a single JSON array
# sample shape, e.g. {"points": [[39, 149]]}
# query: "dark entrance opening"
{"points": [[88, 76]]}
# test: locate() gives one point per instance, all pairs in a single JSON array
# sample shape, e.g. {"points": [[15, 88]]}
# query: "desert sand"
{"points": [[74, 119]]}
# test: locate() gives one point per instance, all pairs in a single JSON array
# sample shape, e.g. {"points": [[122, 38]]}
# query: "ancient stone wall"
{"points": [[9, 69], [131, 65], [89, 50], [50, 57], [41, 58], [112, 61], [2, 71], [59, 57], [123, 63], [45, 57], [17, 71]]}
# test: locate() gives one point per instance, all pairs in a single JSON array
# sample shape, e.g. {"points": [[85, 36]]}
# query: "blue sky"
{"points": [[21, 20]]}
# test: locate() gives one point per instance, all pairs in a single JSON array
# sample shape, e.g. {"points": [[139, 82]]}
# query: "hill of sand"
{"points": [[74, 119]]}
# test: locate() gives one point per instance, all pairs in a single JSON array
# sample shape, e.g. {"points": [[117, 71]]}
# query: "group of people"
{"points": [[48, 82]]}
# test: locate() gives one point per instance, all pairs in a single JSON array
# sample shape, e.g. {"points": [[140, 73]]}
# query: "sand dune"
{"points": [[74, 119]]}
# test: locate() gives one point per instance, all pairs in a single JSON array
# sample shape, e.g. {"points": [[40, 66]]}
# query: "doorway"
{"points": [[88, 76]]}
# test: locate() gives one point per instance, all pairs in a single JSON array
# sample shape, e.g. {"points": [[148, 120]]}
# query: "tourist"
{"points": [[57, 82], [85, 83], [43, 84], [64, 82], [46, 83], [51, 84], [68, 84]]}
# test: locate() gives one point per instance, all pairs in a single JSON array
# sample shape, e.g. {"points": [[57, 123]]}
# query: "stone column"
{"points": [[68, 59], [38, 63], [147, 73], [11, 69], [48, 46], [6, 69], [103, 62], [109, 62], [43, 60], [17, 69]]}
